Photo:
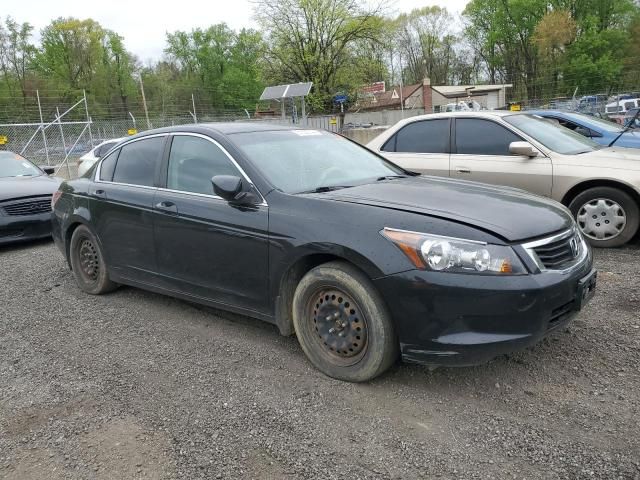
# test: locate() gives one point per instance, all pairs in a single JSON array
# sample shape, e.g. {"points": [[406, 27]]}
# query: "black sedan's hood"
{"points": [[18, 187], [510, 213]]}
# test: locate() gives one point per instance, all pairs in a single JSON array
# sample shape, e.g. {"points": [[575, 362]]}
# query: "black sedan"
{"points": [[25, 199], [359, 258]]}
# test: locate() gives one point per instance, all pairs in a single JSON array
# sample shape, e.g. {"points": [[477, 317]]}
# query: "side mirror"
{"points": [[232, 189], [227, 187], [523, 149], [49, 170]]}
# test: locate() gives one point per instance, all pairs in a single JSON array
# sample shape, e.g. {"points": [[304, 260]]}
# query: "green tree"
{"points": [[16, 54], [311, 40]]}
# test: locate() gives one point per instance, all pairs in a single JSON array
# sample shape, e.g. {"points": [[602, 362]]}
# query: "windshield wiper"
{"points": [[324, 189], [390, 177], [626, 129]]}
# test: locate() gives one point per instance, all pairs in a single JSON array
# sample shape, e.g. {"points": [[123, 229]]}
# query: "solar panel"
{"points": [[286, 91], [299, 89], [273, 92]]}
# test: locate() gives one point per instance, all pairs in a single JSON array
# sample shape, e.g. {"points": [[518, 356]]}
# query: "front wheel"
{"points": [[343, 324], [87, 263], [607, 217]]}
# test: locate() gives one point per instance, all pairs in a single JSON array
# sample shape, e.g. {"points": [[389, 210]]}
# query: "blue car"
{"points": [[599, 130]]}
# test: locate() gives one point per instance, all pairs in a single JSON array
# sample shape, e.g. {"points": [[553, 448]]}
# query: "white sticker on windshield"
{"points": [[26, 165], [307, 133]]}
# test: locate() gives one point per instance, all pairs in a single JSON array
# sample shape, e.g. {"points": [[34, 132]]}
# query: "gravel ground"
{"points": [[137, 385]]}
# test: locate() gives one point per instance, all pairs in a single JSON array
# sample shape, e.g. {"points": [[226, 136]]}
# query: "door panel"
{"points": [[426, 163], [210, 249], [482, 154], [123, 218]]}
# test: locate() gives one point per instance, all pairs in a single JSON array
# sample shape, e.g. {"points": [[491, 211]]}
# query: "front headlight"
{"points": [[445, 254]]}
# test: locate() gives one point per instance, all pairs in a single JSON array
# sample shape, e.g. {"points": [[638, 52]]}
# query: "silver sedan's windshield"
{"points": [[297, 161], [14, 165], [551, 135]]}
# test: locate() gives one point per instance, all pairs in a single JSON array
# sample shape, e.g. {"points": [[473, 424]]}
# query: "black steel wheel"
{"points": [[343, 324], [339, 324], [87, 262]]}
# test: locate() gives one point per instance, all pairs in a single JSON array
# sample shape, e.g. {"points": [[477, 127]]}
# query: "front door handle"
{"points": [[167, 207], [463, 170]]}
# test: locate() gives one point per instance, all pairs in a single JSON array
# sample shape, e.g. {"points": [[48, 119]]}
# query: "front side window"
{"points": [[427, 136], [137, 162], [554, 137], [193, 162], [475, 136]]}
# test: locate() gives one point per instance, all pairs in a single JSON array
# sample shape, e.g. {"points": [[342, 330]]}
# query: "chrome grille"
{"points": [[559, 252], [28, 207]]}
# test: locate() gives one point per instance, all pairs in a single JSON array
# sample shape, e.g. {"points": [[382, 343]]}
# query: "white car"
{"points": [[86, 161], [600, 185]]}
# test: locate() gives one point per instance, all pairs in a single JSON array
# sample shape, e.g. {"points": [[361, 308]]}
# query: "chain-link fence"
{"points": [[60, 141]]}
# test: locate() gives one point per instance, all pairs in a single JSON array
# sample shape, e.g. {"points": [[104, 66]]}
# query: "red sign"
{"points": [[377, 87]]}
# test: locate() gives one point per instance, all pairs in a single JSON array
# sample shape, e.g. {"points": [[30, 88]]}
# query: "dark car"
{"points": [[326, 239], [25, 199]]}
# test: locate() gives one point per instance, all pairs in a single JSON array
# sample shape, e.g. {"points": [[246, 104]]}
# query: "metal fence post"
{"points": [[41, 127], [86, 109], [64, 145]]}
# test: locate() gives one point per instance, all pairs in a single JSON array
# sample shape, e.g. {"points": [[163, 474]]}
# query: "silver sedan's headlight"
{"points": [[445, 254]]}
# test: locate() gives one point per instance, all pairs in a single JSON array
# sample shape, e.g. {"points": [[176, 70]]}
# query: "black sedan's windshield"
{"points": [[297, 161], [14, 165]]}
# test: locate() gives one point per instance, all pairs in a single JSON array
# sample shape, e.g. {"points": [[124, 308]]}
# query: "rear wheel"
{"points": [[87, 263], [607, 217], [342, 323]]}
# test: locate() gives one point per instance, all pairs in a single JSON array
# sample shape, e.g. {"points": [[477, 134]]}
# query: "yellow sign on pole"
{"points": [[333, 121], [3, 140], [515, 107], [132, 131]]}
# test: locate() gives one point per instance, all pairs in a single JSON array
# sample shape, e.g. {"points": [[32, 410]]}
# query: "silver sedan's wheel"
{"points": [[607, 216], [601, 219]]}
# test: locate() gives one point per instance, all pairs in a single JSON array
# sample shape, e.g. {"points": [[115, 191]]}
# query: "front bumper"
{"points": [[24, 227], [465, 319]]}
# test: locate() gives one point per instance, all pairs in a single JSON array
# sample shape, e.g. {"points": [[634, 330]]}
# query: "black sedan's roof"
{"points": [[224, 128]]}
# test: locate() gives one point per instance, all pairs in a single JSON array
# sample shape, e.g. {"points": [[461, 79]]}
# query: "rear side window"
{"points": [[107, 166], [475, 136], [428, 136], [100, 151], [137, 162], [193, 162]]}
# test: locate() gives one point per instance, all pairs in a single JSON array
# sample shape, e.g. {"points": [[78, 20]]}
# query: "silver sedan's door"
{"points": [[422, 146], [481, 153]]}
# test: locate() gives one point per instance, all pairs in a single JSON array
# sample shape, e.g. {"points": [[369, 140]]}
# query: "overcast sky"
{"points": [[144, 23]]}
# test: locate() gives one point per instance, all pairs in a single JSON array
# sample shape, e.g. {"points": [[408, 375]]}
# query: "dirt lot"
{"points": [[136, 385]]}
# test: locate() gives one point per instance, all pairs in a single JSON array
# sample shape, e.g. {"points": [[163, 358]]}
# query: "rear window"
{"points": [[428, 136], [138, 161]]}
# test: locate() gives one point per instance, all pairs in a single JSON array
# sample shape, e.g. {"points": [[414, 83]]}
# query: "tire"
{"points": [[342, 323], [608, 217], [87, 263]]}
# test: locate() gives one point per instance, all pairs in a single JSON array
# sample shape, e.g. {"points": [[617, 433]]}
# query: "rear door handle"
{"points": [[167, 207], [100, 193], [463, 170]]}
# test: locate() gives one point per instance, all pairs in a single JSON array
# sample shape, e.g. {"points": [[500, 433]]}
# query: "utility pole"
{"points": [[144, 103], [44, 135]]}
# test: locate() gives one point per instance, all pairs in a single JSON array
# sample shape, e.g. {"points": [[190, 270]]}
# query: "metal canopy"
{"points": [[286, 91]]}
